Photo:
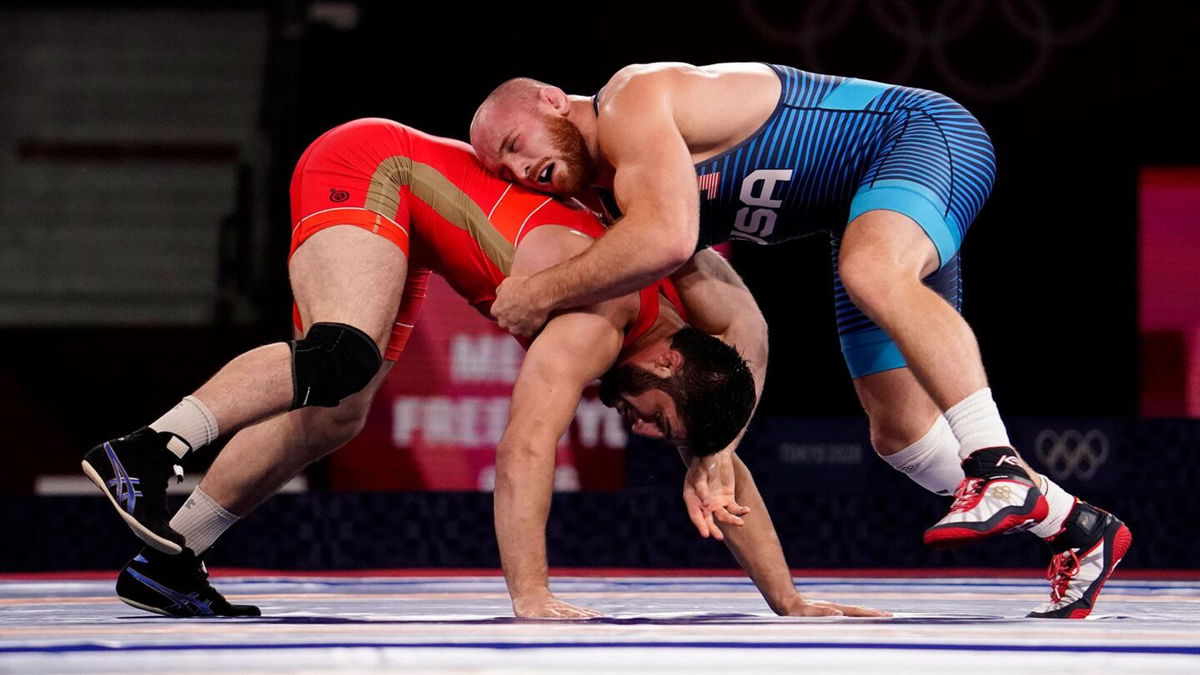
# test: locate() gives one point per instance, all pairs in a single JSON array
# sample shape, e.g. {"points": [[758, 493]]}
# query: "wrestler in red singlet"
{"points": [[433, 199]]}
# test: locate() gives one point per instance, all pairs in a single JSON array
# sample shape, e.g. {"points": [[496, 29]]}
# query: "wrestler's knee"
{"points": [[872, 281], [889, 436], [332, 362], [899, 410], [882, 257]]}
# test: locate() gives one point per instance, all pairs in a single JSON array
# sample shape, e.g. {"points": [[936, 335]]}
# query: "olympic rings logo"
{"points": [[952, 20], [1072, 454]]}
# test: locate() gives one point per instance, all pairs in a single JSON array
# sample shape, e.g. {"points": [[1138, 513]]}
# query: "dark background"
{"points": [[1076, 96]]}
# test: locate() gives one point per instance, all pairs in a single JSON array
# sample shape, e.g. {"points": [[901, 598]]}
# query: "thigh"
{"points": [[259, 459], [866, 348], [347, 274], [886, 243]]}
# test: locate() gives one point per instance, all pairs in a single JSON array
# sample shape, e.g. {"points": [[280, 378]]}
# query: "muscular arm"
{"points": [[718, 303], [655, 186], [756, 548], [574, 349]]}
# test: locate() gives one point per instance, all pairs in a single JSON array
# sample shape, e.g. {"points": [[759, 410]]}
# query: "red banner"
{"points": [[437, 419], [1169, 282]]}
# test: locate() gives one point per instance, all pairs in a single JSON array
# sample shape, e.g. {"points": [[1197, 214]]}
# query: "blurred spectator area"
{"points": [[1169, 272], [126, 135]]}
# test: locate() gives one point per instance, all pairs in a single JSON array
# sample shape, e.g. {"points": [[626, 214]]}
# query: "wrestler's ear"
{"points": [[670, 361], [556, 98]]}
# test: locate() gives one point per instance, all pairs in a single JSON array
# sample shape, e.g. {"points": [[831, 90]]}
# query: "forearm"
{"points": [[630, 256], [756, 546], [524, 485]]}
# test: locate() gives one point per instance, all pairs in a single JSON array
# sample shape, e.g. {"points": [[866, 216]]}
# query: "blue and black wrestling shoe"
{"points": [[133, 472], [174, 585]]}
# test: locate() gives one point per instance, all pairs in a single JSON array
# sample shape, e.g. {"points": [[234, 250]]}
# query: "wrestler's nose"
{"points": [[646, 429], [519, 169]]}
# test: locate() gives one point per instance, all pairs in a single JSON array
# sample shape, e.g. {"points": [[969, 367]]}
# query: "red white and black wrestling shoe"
{"points": [[996, 497], [1086, 552]]}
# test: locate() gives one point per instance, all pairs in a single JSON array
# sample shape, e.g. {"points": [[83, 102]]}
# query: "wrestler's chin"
{"points": [[570, 182]]}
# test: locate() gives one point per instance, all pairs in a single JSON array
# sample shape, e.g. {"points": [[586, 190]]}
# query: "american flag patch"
{"points": [[709, 184]]}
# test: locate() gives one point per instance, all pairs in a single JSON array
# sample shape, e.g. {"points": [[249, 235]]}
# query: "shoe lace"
{"points": [[200, 577], [965, 494], [1063, 568]]}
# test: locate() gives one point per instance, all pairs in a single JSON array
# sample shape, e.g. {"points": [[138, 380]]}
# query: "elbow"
{"points": [[681, 253], [664, 238], [512, 451], [751, 334], [510, 460], [677, 247], [677, 237], [517, 458], [757, 346]]}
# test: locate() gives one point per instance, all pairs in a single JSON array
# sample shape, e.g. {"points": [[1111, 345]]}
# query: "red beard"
{"points": [[579, 170]]}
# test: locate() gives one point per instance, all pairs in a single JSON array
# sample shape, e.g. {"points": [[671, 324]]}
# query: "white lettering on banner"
{"points": [[404, 419], [484, 357], [821, 453], [477, 421], [439, 421]]}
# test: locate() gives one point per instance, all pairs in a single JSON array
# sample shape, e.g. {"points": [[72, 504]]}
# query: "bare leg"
{"points": [[884, 257], [898, 407], [909, 432], [262, 457], [342, 274]]}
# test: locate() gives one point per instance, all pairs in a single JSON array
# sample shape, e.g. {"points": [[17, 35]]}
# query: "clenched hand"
{"points": [[519, 307]]}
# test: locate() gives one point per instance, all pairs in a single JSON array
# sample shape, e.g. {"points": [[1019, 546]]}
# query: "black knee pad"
{"points": [[331, 362]]}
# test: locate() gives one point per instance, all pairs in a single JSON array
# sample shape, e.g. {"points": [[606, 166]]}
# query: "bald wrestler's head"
{"points": [[522, 133]]}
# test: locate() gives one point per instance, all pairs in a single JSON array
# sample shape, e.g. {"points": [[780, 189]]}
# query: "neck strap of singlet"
{"points": [[648, 310], [596, 102], [647, 313]]}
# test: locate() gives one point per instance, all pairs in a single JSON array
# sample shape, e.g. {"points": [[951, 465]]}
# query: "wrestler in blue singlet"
{"points": [[835, 148]]}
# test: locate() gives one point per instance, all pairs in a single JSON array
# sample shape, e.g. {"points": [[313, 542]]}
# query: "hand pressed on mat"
{"points": [[798, 605], [546, 606]]}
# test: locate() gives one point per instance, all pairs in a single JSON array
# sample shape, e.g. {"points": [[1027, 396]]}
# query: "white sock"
{"points": [[932, 462], [190, 420], [976, 423], [201, 520], [1061, 502]]}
